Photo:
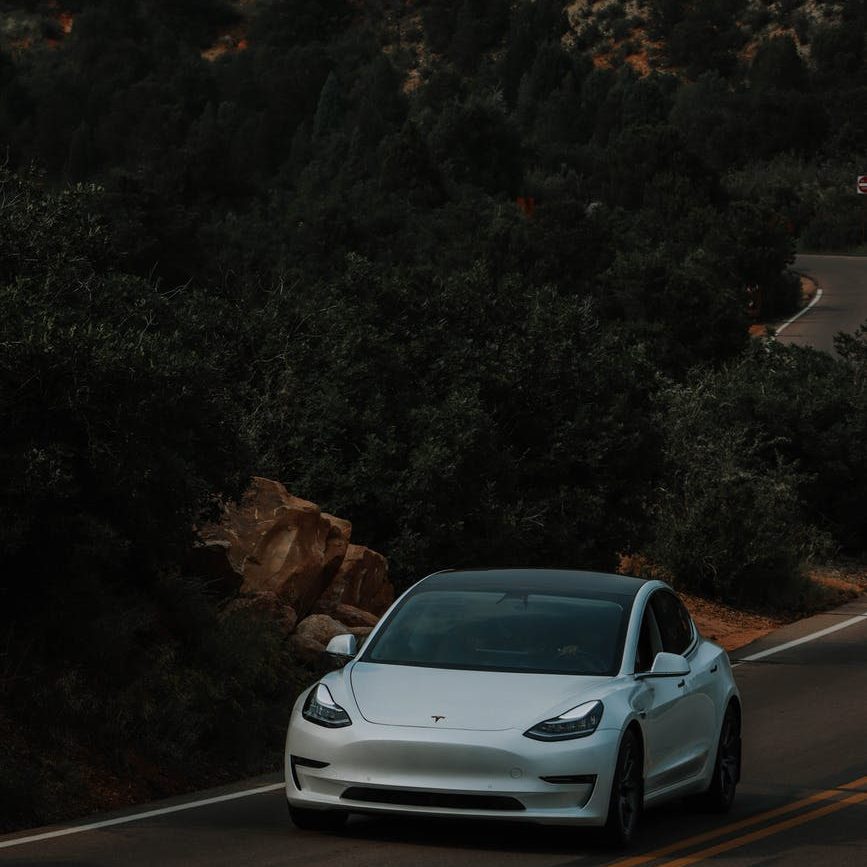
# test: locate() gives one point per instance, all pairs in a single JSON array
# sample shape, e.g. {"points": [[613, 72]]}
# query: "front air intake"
{"points": [[447, 800], [301, 762], [572, 779]]}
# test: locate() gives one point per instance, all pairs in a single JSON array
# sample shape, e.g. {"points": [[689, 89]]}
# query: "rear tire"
{"points": [[727, 768], [326, 821], [627, 793]]}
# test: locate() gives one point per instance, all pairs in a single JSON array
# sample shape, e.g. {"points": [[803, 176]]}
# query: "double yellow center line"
{"points": [[752, 836]]}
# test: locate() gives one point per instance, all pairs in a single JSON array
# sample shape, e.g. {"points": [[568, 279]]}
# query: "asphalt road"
{"points": [[802, 800], [842, 307]]}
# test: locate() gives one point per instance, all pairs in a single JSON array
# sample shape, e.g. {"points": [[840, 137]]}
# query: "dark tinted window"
{"points": [[487, 630], [674, 624], [649, 641], [644, 654]]}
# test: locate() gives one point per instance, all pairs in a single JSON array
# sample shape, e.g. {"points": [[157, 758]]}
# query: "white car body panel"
{"points": [[478, 700]]}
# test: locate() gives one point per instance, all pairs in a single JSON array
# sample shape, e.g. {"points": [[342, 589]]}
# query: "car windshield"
{"points": [[518, 631]]}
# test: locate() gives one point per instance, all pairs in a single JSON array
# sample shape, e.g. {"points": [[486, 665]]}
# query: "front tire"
{"points": [[727, 767], [627, 793], [325, 821]]}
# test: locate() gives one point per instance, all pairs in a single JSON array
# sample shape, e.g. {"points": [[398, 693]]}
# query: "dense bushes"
{"points": [[470, 420], [728, 524], [170, 698], [119, 426], [728, 519], [764, 466]]}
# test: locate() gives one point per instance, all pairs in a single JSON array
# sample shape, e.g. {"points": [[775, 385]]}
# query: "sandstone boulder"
{"points": [[361, 582], [282, 544], [352, 616], [313, 634]]}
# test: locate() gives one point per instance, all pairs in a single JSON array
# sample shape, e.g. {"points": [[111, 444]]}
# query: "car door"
{"points": [[695, 721], [705, 682], [675, 749]]}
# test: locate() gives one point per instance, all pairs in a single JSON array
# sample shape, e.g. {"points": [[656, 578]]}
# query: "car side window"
{"points": [[649, 642], [675, 625]]}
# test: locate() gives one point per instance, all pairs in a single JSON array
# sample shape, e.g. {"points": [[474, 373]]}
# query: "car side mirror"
{"points": [[342, 647], [667, 665]]}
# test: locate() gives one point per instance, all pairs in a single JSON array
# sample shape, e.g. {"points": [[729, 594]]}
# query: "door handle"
{"points": [[682, 683], [715, 667]]}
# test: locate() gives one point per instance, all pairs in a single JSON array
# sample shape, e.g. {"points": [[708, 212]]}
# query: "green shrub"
{"points": [[727, 520], [836, 225], [765, 466], [118, 431], [728, 526]]}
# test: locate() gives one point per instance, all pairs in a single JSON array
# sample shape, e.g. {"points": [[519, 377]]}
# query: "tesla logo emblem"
{"points": [[436, 719]]}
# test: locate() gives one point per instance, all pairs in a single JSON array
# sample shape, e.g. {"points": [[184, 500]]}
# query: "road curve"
{"points": [[802, 801], [842, 307]]}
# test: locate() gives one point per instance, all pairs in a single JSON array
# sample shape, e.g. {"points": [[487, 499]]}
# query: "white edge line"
{"points": [[122, 820], [800, 313], [858, 618]]}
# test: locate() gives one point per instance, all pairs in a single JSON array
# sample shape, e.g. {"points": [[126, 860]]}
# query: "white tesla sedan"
{"points": [[559, 697]]}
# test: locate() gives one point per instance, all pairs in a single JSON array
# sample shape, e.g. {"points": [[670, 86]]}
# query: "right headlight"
{"points": [[579, 722], [320, 708]]}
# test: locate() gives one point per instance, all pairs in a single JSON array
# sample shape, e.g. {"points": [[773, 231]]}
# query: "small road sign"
{"points": [[861, 185]]}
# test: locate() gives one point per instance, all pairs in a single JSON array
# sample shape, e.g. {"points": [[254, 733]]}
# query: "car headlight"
{"points": [[320, 708], [579, 722]]}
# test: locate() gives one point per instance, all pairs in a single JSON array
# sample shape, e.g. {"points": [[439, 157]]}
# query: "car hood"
{"points": [[404, 695]]}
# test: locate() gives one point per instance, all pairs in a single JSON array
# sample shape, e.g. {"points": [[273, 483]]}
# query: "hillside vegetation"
{"points": [[477, 275]]}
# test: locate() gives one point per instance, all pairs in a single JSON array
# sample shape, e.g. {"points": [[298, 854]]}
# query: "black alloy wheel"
{"points": [[326, 821], [727, 768], [627, 793]]}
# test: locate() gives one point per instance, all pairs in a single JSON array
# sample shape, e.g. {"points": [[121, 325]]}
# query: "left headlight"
{"points": [[320, 708], [579, 722]]}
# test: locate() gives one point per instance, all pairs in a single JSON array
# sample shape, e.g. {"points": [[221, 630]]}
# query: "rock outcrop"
{"points": [[313, 634], [349, 615], [361, 581], [284, 558], [282, 544]]}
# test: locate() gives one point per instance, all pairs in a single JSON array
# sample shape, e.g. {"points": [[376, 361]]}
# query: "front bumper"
{"points": [[449, 772]]}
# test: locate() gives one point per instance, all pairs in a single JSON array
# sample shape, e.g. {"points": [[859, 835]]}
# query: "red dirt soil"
{"points": [[829, 586]]}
